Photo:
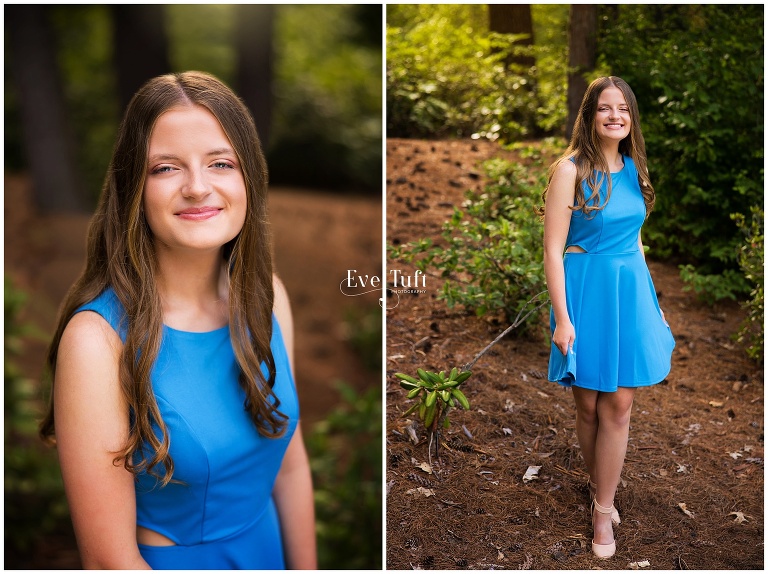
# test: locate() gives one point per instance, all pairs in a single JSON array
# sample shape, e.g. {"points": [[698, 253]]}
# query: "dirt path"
{"points": [[696, 439]]}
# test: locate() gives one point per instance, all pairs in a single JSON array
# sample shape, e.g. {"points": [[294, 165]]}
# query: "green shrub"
{"points": [[698, 74], [491, 250], [345, 455], [34, 493], [446, 77], [752, 262]]}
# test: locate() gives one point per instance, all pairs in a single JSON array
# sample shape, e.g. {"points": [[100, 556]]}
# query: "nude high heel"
{"points": [[602, 551], [615, 518]]}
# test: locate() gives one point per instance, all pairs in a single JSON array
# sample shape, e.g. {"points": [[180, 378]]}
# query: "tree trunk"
{"points": [[141, 46], [582, 27], [48, 142], [254, 33], [513, 19]]}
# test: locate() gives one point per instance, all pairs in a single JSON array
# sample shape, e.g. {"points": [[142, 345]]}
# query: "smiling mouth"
{"points": [[198, 213]]}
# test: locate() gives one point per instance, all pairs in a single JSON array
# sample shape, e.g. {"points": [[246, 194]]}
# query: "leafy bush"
{"points": [[491, 249], [446, 77], [345, 455], [697, 72], [34, 493], [752, 262]]}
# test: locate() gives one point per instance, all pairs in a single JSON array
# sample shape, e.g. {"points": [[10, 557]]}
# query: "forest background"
{"points": [[312, 77], [517, 73]]}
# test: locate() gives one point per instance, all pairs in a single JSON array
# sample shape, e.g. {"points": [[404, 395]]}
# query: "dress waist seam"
{"points": [[613, 253]]}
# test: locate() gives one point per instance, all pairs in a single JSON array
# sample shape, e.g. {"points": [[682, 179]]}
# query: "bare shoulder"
{"points": [[562, 186], [282, 310], [565, 169], [282, 303], [87, 391], [90, 338]]}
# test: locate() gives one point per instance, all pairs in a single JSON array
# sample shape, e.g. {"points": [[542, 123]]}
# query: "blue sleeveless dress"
{"points": [[621, 338], [223, 515]]}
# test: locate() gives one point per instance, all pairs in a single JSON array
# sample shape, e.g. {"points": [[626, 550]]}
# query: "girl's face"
{"points": [[194, 193], [612, 119]]}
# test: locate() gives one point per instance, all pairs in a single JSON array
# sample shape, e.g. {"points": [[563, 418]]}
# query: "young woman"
{"points": [[609, 335], [173, 406]]}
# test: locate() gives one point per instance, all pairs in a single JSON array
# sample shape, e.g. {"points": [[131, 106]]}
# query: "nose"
{"points": [[196, 185]]}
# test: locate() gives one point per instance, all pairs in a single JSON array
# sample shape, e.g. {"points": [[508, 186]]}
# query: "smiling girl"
{"points": [[174, 408], [609, 335]]}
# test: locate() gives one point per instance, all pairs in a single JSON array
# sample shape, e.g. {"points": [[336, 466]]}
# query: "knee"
{"points": [[614, 415], [587, 414]]}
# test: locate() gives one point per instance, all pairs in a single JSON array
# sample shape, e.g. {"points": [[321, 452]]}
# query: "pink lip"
{"points": [[198, 213]]}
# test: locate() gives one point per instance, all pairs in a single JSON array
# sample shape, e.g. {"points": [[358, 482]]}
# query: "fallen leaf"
{"points": [[747, 448], [544, 454], [663, 472], [425, 467], [421, 490], [681, 468], [638, 565], [500, 557], [682, 506], [740, 517], [545, 395], [507, 432], [531, 473], [735, 455], [715, 404]]}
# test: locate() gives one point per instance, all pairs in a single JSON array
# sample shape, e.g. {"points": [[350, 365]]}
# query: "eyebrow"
{"points": [[171, 157]]}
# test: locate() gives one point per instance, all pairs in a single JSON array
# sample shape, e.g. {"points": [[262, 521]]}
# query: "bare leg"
{"points": [[586, 425], [613, 414]]}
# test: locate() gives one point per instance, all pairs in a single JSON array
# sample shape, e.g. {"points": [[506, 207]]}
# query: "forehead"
{"points": [[611, 95], [186, 124]]}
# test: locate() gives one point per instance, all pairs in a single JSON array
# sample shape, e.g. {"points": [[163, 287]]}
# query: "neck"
{"points": [[193, 289], [610, 151]]}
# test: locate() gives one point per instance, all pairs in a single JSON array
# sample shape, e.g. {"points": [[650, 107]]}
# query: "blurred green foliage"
{"points": [[34, 492], [752, 263], [327, 87], [363, 332], [345, 455], [446, 75], [698, 74], [491, 250], [327, 123]]}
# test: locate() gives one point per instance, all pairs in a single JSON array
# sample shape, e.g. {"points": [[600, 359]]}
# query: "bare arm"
{"points": [[293, 492], [557, 221], [91, 425]]}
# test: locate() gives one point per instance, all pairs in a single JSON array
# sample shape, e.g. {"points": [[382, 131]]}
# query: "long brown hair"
{"points": [[120, 254], [586, 153]]}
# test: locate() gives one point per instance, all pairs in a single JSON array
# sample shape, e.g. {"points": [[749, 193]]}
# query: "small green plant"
{"points": [[752, 262], [438, 393]]}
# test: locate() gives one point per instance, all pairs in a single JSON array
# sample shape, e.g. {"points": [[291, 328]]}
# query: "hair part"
{"points": [[585, 151], [121, 254]]}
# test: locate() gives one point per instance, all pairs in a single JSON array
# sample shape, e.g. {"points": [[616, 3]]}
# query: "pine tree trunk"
{"points": [[582, 27], [255, 23], [48, 143]]}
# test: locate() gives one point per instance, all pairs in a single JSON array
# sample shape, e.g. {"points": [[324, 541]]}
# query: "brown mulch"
{"points": [[696, 440]]}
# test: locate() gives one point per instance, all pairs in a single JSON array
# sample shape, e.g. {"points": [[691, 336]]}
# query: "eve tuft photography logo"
{"points": [[356, 284]]}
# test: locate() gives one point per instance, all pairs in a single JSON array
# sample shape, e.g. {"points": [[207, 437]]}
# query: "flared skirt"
{"points": [[621, 338]]}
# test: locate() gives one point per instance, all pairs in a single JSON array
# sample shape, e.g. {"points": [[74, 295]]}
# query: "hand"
{"points": [[663, 318], [564, 336]]}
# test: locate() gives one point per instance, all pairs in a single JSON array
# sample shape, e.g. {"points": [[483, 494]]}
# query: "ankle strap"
{"points": [[602, 509]]}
